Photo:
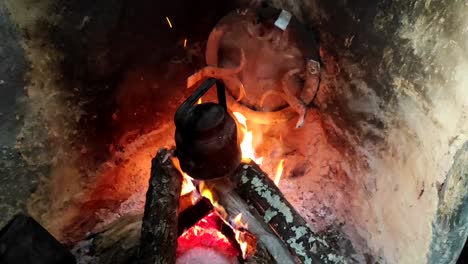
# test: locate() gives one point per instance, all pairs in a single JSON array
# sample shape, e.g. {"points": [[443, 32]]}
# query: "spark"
{"points": [[279, 172], [169, 22]]}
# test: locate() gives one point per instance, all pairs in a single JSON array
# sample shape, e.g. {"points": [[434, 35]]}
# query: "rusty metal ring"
{"points": [[264, 118]]}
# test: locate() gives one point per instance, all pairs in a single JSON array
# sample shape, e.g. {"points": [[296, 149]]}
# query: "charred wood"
{"points": [[118, 244], [158, 241], [259, 191], [190, 216], [233, 205], [261, 256]]}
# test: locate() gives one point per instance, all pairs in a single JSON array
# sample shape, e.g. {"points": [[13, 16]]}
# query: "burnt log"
{"points": [[190, 216], [261, 256], [158, 241], [259, 191], [234, 205]]}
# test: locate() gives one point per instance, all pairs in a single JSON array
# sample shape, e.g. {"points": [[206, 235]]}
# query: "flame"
{"points": [[185, 43], [238, 222], [199, 101], [242, 243], [169, 22], [237, 225], [248, 152], [205, 192], [240, 237], [279, 172], [187, 184], [238, 219]]}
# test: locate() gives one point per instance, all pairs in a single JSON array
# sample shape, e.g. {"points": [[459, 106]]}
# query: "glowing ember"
{"points": [[279, 172], [248, 152], [187, 184], [206, 234], [169, 22], [199, 101]]}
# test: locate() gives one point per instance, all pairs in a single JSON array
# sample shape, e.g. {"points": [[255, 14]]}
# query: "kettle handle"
{"points": [[184, 109]]}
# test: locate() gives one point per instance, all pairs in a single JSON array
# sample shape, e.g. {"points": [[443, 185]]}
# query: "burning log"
{"points": [[260, 192], [159, 232], [270, 249], [192, 215], [261, 256]]}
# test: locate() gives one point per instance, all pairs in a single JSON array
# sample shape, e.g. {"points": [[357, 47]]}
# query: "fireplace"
{"points": [[372, 155]]}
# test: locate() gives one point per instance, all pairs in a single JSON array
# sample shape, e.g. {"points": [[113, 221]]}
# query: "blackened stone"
{"points": [[24, 241]]}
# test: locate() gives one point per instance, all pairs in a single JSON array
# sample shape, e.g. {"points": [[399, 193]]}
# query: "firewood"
{"points": [[190, 216], [233, 205], [259, 191], [158, 242], [261, 256]]}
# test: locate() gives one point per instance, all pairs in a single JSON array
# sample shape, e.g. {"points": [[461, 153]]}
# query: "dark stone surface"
{"points": [[17, 181], [464, 255], [12, 68], [24, 241], [451, 225]]}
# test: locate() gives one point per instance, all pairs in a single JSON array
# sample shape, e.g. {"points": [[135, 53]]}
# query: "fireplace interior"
{"points": [[352, 114]]}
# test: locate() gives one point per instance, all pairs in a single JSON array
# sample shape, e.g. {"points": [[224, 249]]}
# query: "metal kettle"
{"points": [[206, 135]]}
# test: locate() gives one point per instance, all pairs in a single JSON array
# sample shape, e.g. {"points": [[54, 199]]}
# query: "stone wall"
{"points": [[400, 100]]}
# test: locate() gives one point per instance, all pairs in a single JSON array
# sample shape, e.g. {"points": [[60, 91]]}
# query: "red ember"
{"points": [[206, 234]]}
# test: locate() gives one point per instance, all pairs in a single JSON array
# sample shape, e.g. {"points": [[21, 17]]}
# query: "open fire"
{"points": [[212, 165], [254, 228], [245, 240]]}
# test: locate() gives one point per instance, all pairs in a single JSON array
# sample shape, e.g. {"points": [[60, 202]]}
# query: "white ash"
{"points": [[201, 255]]}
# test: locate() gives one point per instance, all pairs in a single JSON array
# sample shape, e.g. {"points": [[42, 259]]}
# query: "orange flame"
{"points": [[187, 184], [279, 172], [199, 101], [205, 192], [248, 152], [169, 22], [238, 219], [240, 235], [242, 243], [238, 222]]}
